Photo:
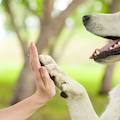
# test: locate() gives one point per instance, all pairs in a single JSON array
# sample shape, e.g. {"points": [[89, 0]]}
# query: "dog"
{"points": [[80, 107]]}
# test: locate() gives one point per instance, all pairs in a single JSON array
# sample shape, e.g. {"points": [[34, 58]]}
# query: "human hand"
{"points": [[44, 84]]}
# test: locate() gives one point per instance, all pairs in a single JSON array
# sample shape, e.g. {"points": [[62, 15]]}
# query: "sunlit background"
{"points": [[72, 49]]}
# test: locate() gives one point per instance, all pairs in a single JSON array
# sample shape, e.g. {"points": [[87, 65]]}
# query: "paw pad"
{"points": [[63, 94]]}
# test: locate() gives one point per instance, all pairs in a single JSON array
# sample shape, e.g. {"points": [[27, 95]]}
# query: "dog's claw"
{"points": [[63, 94], [41, 63], [52, 77]]}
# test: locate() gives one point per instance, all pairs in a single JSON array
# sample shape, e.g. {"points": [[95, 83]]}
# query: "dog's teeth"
{"points": [[115, 45], [119, 43], [111, 48], [97, 52]]}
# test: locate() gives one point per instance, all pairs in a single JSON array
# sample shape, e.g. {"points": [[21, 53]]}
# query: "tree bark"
{"points": [[25, 84], [107, 80], [114, 6], [47, 10]]}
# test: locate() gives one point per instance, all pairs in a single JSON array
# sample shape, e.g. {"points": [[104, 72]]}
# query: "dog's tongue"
{"points": [[105, 48]]}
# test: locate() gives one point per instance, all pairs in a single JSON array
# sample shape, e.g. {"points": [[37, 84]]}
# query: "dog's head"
{"points": [[107, 26]]}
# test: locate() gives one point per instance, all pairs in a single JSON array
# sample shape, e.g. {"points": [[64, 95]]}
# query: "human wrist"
{"points": [[40, 99]]}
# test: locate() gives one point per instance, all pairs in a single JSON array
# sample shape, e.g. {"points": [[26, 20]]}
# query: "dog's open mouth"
{"points": [[112, 48], [99, 24]]}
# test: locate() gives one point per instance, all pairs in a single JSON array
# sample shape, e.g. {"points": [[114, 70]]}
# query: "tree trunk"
{"points": [[107, 78], [114, 6], [24, 90]]}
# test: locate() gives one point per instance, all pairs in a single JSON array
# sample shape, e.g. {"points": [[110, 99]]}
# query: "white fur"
{"points": [[104, 24], [112, 111]]}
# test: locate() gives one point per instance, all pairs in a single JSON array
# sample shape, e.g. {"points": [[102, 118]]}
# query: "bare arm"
{"points": [[45, 90]]}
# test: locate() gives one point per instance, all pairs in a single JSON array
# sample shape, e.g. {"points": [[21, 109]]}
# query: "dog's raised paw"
{"points": [[55, 72], [67, 85]]}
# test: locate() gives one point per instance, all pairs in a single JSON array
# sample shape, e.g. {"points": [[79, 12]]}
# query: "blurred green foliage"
{"points": [[25, 8]]}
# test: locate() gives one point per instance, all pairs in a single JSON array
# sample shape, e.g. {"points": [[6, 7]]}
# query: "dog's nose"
{"points": [[86, 18]]}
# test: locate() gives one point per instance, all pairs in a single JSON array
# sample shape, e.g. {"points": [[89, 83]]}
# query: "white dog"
{"points": [[79, 104]]}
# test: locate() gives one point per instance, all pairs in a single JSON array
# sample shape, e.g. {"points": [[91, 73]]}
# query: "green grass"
{"points": [[9, 71]]}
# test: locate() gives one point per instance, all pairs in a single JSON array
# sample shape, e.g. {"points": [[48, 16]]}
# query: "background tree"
{"points": [[49, 28]]}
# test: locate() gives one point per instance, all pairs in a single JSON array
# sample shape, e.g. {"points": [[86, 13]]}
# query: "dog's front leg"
{"points": [[78, 101]]}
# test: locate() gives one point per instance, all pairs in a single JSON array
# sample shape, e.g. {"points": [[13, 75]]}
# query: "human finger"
{"points": [[45, 76], [34, 58]]}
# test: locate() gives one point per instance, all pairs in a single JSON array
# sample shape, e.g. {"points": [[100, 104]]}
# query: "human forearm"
{"points": [[23, 109]]}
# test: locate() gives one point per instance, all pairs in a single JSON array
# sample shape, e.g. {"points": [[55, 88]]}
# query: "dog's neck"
{"points": [[81, 108]]}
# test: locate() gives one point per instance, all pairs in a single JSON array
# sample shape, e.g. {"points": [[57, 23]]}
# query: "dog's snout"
{"points": [[86, 18]]}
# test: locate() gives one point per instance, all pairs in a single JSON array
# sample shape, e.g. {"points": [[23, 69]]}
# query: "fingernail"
{"points": [[32, 43]]}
